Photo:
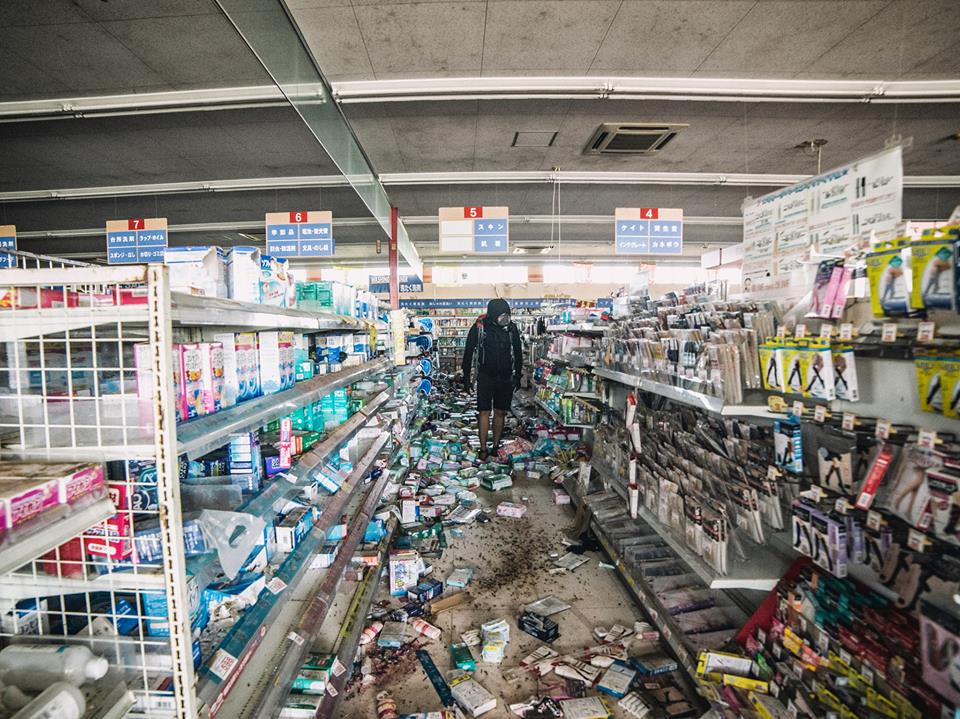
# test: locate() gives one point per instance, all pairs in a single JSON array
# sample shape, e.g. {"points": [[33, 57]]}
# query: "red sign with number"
{"points": [[134, 224], [649, 213], [472, 212], [299, 216]]}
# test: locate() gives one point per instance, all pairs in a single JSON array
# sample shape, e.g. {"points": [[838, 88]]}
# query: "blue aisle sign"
{"points": [[407, 283], [648, 231], [530, 303], [475, 230], [605, 303], [136, 241], [8, 241], [300, 234]]}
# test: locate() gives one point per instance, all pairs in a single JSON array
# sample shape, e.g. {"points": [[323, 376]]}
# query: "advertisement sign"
{"points": [[826, 214], [407, 283], [300, 233]]}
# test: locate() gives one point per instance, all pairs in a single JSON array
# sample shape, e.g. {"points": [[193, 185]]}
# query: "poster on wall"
{"points": [[475, 230], [822, 216]]}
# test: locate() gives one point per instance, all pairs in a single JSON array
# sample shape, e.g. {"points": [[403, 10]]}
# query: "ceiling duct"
{"points": [[621, 138]]}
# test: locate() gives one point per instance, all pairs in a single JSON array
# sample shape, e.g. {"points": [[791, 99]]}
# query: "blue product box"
{"points": [[376, 530], [328, 478], [425, 591], [155, 610], [246, 586], [337, 532], [148, 542]]}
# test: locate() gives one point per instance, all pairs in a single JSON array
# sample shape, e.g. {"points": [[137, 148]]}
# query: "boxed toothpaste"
{"points": [[211, 376]]}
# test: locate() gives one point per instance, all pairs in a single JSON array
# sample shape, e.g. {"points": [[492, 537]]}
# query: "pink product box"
{"points": [[509, 509], [27, 490], [191, 381], [79, 481], [113, 537], [560, 497], [211, 376], [24, 499]]}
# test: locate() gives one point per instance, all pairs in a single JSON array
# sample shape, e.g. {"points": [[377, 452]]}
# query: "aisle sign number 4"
{"points": [[648, 231], [475, 230], [136, 241], [300, 234], [8, 241]]}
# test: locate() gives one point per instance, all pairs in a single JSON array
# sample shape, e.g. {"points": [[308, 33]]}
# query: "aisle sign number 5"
{"points": [[474, 229]]}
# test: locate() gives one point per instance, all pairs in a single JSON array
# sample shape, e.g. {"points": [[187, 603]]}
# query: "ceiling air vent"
{"points": [[620, 138]]}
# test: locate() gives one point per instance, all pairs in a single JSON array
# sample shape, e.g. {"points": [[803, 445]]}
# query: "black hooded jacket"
{"points": [[501, 356]]}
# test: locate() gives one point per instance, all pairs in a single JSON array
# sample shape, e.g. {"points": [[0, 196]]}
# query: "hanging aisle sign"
{"points": [[407, 283], [300, 234], [648, 231], [136, 241], [475, 230], [826, 214], [8, 241]]}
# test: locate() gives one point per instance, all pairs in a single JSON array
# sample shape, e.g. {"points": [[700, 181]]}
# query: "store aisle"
{"points": [[514, 560]]}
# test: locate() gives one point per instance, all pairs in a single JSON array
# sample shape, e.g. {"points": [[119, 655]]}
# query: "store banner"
{"points": [[136, 241], [475, 230], [408, 283], [300, 233], [648, 231], [825, 215], [529, 303], [8, 241]]}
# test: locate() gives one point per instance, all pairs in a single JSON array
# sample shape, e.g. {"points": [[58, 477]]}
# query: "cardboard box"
{"points": [[243, 273], [197, 269]]}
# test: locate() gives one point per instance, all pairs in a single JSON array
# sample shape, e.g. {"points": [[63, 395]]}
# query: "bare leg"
{"points": [[484, 424], [499, 417]]}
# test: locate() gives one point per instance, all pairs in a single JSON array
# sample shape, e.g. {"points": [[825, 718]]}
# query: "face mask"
{"points": [[504, 319]]}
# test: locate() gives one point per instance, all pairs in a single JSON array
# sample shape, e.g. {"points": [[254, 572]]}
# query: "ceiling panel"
{"points": [[666, 38], [422, 39], [30, 12], [333, 34], [545, 36], [889, 43]]}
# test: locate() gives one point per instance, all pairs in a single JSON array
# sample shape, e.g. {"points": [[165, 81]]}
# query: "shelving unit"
{"points": [[119, 413], [556, 417]]}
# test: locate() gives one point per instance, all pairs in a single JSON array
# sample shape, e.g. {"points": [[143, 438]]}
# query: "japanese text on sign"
{"points": [[136, 241], [475, 230], [8, 241], [648, 231], [300, 234]]}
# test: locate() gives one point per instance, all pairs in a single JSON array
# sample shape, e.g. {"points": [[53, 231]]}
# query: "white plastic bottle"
{"points": [[37, 666], [58, 701]]}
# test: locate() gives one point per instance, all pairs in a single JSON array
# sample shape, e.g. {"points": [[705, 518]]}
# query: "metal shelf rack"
{"points": [[81, 349]]}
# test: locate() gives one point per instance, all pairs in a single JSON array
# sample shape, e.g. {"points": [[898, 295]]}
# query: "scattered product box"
{"points": [[460, 577], [404, 568], [617, 679], [469, 695], [509, 509]]}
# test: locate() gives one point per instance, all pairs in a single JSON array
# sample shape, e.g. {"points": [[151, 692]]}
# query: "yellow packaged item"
{"points": [[934, 268], [889, 279], [930, 369], [792, 366], [771, 362], [950, 379]]}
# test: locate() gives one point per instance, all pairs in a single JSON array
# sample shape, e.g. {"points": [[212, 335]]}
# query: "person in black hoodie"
{"points": [[495, 341]]}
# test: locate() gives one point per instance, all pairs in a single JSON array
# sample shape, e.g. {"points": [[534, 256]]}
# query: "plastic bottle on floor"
{"points": [[58, 701]]}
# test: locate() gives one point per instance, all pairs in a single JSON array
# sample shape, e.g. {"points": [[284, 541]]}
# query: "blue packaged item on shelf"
{"points": [[148, 542], [245, 587], [154, 608], [426, 590], [337, 532]]}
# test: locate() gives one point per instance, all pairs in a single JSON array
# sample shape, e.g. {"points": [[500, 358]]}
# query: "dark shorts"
{"points": [[496, 392]]}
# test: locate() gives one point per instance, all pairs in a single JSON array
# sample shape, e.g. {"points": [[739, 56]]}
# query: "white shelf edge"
{"points": [[48, 536]]}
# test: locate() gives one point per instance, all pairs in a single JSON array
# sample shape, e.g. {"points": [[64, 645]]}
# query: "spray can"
{"points": [[425, 628], [386, 706], [370, 633]]}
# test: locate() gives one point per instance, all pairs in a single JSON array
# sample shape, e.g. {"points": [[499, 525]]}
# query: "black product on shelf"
{"points": [[539, 626]]}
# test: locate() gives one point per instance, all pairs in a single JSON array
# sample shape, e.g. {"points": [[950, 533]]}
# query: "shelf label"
{"points": [[889, 332], [826, 331], [8, 241], [475, 230], [926, 438], [300, 234], [223, 664], [136, 241], [800, 331], [884, 427], [925, 331], [846, 331], [276, 585], [916, 541], [295, 638], [819, 413], [874, 520], [648, 231], [797, 409], [849, 421]]}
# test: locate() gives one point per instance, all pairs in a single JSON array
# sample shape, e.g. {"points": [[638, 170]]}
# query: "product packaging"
{"points": [[231, 368], [191, 381], [931, 368], [243, 273], [273, 285], [889, 280], [404, 568], [211, 376], [824, 288], [793, 375], [469, 695], [950, 379], [788, 445], [276, 361], [940, 649], [197, 270], [934, 264], [846, 383], [816, 361], [771, 360]]}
